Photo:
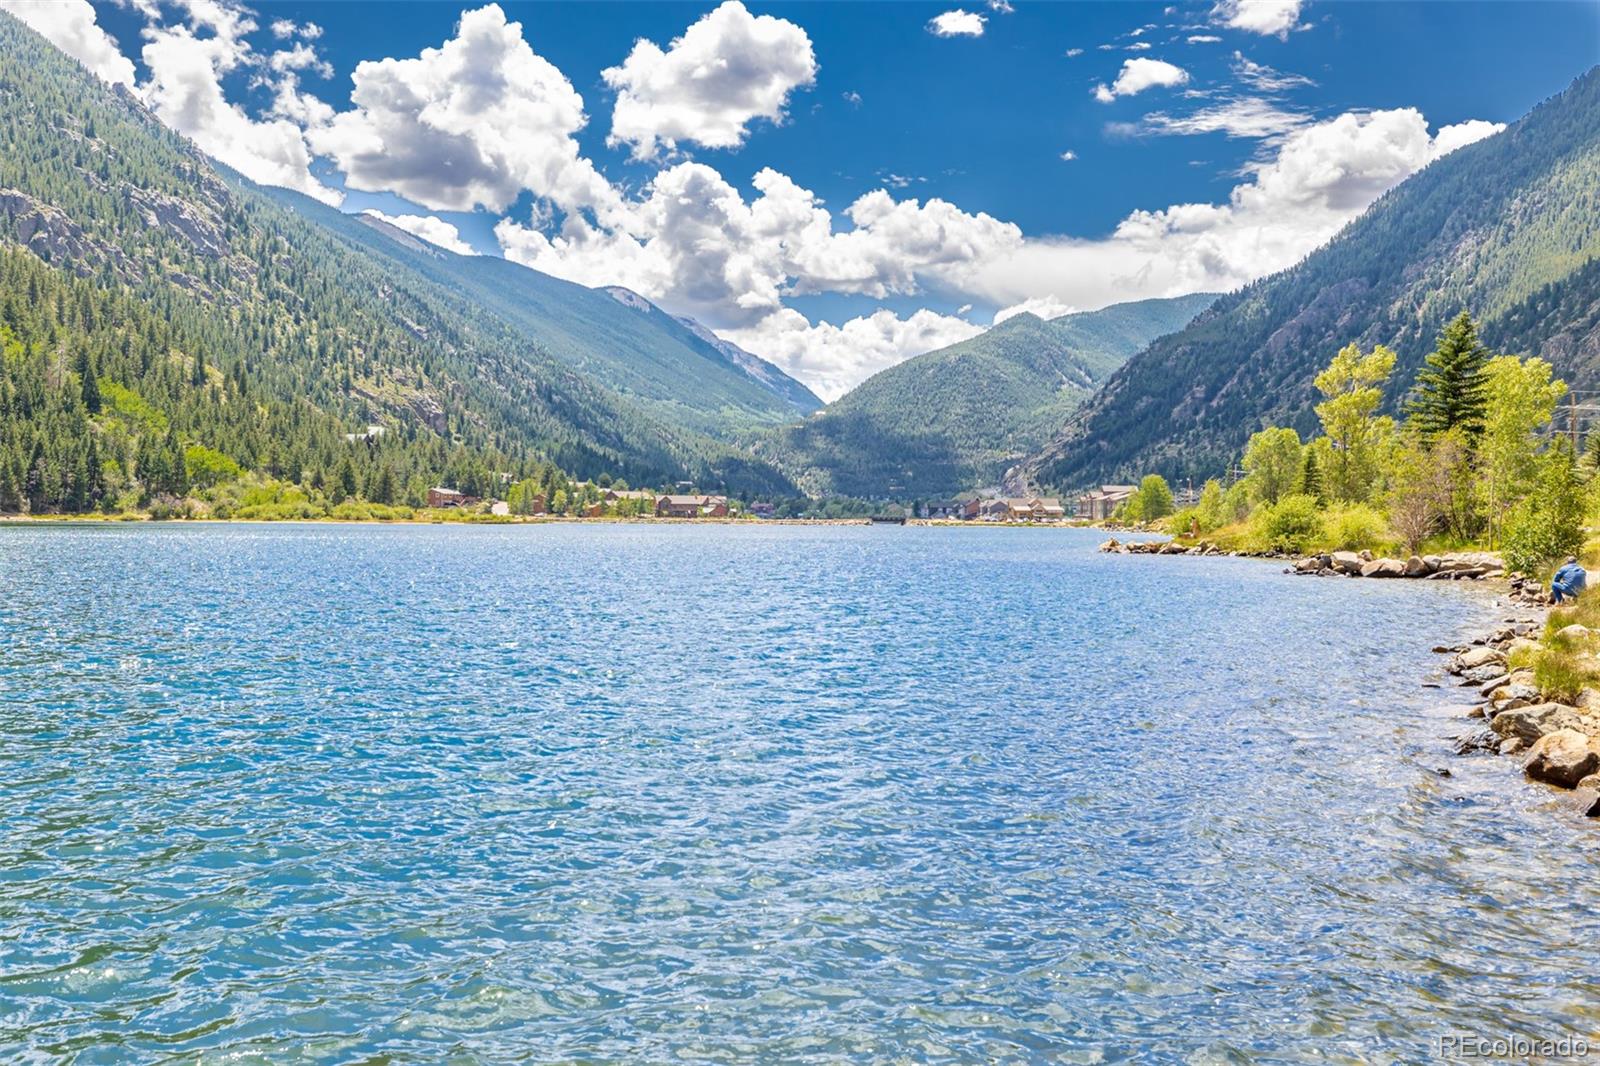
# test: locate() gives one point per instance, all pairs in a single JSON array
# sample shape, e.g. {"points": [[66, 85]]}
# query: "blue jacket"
{"points": [[1571, 578]]}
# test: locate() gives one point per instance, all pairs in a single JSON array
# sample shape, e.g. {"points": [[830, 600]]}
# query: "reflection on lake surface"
{"points": [[346, 794]]}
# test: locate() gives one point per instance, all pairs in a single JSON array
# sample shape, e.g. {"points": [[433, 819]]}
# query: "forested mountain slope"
{"points": [[1506, 228], [953, 419], [637, 349], [303, 310]]}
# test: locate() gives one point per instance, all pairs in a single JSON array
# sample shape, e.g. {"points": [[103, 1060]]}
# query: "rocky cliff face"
{"points": [[49, 233]]}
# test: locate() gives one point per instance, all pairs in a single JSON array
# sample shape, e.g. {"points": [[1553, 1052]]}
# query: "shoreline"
{"points": [[1556, 741], [434, 519]]}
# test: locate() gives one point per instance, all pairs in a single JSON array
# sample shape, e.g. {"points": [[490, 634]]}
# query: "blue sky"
{"points": [[1226, 139]]}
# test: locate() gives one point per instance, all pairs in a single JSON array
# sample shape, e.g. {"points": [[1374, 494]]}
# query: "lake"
{"points": [[731, 793]]}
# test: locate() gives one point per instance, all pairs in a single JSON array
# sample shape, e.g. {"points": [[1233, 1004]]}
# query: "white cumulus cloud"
{"points": [[71, 26], [1321, 177], [834, 359], [726, 71], [695, 245], [187, 63], [1140, 74], [472, 122], [1046, 307], [957, 23], [433, 230], [1270, 18]]}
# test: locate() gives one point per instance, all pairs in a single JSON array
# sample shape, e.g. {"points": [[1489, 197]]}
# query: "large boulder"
{"points": [[1384, 568], [1563, 758], [1574, 633], [1528, 724], [1346, 562], [1417, 566]]}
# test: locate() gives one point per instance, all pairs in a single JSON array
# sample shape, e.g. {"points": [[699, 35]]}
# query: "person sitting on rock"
{"points": [[1568, 581]]}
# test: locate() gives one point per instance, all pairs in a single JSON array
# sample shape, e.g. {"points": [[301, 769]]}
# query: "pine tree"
{"points": [[345, 483], [91, 387], [1310, 476], [1450, 388]]}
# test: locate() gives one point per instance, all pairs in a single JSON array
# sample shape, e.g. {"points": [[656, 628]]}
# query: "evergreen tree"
{"points": [[1310, 476], [345, 482], [1451, 386], [91, 386], [383, 487]]}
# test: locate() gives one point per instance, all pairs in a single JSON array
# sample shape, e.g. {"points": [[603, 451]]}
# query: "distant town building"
{"points": [[1035, 509], [1098, 505], [613, 495], [500, 507], [763, 509], [692, 507], [440, 497], [942, 509]]}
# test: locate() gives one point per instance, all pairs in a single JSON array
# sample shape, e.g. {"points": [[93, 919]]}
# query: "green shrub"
{"points": [[1292, 524], [207, 467], [1353, 527], [1212, 510], [1536, 535]]}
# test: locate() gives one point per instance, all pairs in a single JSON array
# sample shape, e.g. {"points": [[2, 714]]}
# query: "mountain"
{"points": [[955, 418], [797, 395], [333, 324], [1507, 228], [800, 400], [641, 352]]}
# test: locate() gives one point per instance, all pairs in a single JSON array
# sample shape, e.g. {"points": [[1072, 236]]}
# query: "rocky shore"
{"points": [[1555, 735]]}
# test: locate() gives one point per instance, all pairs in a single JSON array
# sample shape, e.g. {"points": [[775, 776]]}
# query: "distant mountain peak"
{"points": [[955, 418], [757, 369]]}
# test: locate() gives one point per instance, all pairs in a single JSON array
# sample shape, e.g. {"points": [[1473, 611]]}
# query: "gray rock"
{"points": [[1384, 568], [1346, 562], [1528, 724], [1495, 682], [1476, 657], [1416, 566], [1481, 741]]}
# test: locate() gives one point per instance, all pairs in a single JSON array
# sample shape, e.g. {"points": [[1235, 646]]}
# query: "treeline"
{"points": [[1474, 460], [107, 405]]}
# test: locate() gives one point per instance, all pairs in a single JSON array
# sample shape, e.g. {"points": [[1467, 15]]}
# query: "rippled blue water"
{"points": [[362, 794]]}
